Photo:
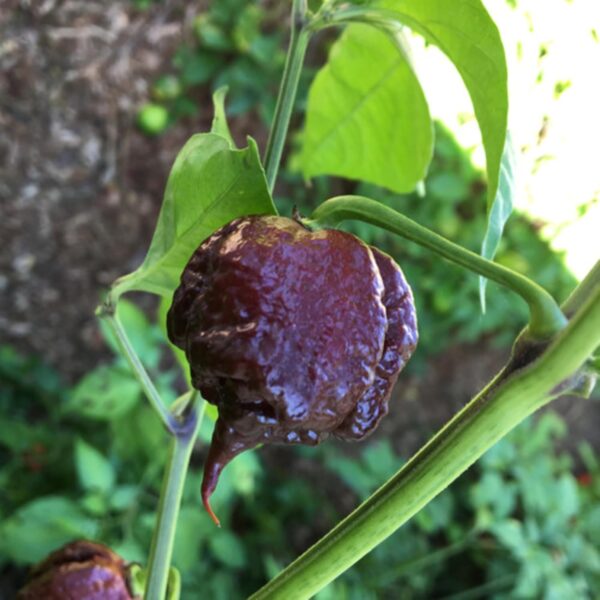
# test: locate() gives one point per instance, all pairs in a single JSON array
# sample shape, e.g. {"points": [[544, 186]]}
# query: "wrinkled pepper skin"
{"points": [[80, 570], [293, 334]]}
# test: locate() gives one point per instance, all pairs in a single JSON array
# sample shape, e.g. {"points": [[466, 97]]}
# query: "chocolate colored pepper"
{"points": [[293, 334], [80, 570]]}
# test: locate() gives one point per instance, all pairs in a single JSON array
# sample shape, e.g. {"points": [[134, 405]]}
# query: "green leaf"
{"points": [[173, 584], [219, 123], [227, 549], [94, 503], [123, 497], [465, 32], [15, 435], [141, 437], [509, 533], [437, 515], [500, 210], [41, 526], [210, 184], [105, 394], [94, 471], [193, 529], [197, 67], [367, 117]]}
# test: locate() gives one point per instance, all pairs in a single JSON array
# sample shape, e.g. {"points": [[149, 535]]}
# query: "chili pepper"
{"points": [[81, 570], [294, 335]]}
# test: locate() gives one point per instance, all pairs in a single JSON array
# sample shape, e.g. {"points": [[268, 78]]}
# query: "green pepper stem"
{"points": [[299, 38], [344, 14], [161, 551], [546, 318], [107, 312], [503, 404], [581, 293]]}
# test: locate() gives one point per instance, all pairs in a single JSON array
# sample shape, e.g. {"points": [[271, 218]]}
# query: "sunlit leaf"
{"points": [[210, 184], [465, 32], [367, 117]]}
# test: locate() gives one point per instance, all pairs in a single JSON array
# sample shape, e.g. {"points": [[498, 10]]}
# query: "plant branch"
{"points": [[391, 20], [299, 38], [503, 404], [107, 311], [180, 452], [546, 318], [581, 293]]}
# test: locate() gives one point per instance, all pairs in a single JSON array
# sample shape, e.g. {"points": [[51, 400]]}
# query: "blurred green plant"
{"points": [[236, 43], [519, 524], [144, 4]]}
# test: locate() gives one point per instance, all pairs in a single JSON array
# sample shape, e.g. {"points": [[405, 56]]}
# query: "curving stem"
{"points": [[171, 493], [546, 318], [107, 312], [299, 38]]}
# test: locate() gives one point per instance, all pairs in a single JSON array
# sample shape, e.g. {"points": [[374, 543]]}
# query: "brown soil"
{"points": [[80, 186]]}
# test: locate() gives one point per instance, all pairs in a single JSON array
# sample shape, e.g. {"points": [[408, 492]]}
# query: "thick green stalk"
{"points": [[546, 318], [180, 452], [580, 294], [107, 311], [299, 38], [502, 405]]}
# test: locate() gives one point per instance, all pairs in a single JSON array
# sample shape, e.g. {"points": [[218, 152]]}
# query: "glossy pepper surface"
{"points": [[293, 334]]}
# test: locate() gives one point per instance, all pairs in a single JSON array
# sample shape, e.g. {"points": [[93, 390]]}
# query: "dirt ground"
{"points": [[80, 188]]}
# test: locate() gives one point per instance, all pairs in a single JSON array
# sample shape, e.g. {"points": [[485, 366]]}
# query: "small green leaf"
{"points": [[509, 532], [94, 503], [466, 33], [193, 529], [140, 437], [197, 67], [138, 576], [500, 210], [174, 584], [227, 549], [15, 435], [219, 124], [367, 117], [210, 184], [41, 526], [123, 497], [94, 471], [105, 394]]}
